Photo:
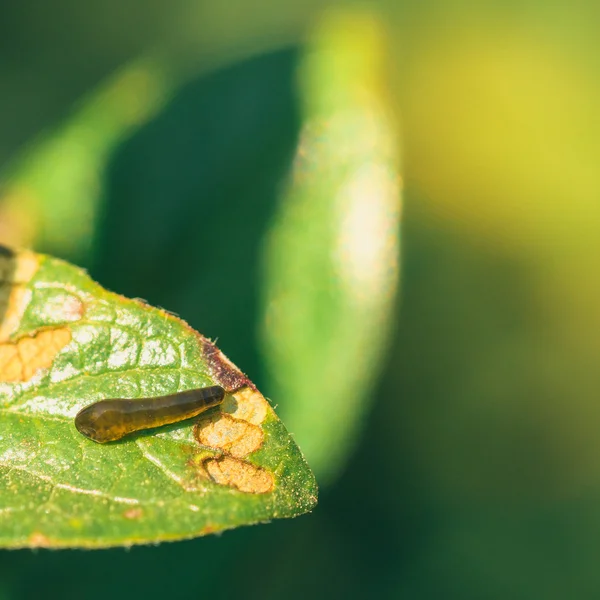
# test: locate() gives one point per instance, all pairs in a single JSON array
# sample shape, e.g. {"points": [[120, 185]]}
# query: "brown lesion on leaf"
{"points": [[235, 433], [233, 436], [16, 271], [64, 308], [247, 404], [209, 529], [223, 371], [236, 429], [133, 513], [39, 540], [239, 474], [22, 359]]}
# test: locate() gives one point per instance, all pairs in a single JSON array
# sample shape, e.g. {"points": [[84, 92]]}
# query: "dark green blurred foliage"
{"points": [[476, 475], [193, 193]]}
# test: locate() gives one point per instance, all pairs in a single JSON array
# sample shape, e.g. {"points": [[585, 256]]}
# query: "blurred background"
{"points": [[388, 214]]}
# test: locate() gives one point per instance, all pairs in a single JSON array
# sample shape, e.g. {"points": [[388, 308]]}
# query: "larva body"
{"points": [[110, 420]]}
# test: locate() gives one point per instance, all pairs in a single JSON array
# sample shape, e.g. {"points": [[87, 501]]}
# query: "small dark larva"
{"points": [[110, 420]]}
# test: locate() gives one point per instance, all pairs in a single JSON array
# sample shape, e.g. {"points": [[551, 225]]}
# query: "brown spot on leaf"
{"points": [[235, 431], [239, 474], [133, 513], [62, 308], [39, 540], [233, 436], [16, 271], [22, 359], [209, 529], [223, 371], [247, 404]]}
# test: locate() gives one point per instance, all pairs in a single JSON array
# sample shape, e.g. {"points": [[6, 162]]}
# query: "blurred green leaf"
{"points": [[66, 342], [331, 259]]}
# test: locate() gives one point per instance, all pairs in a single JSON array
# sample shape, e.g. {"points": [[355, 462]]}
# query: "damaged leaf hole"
{"points": [[22, 359], [233, 434]]}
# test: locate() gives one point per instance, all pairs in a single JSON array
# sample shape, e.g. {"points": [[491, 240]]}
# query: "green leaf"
{"points": [[331, 258], [66, 342]]}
